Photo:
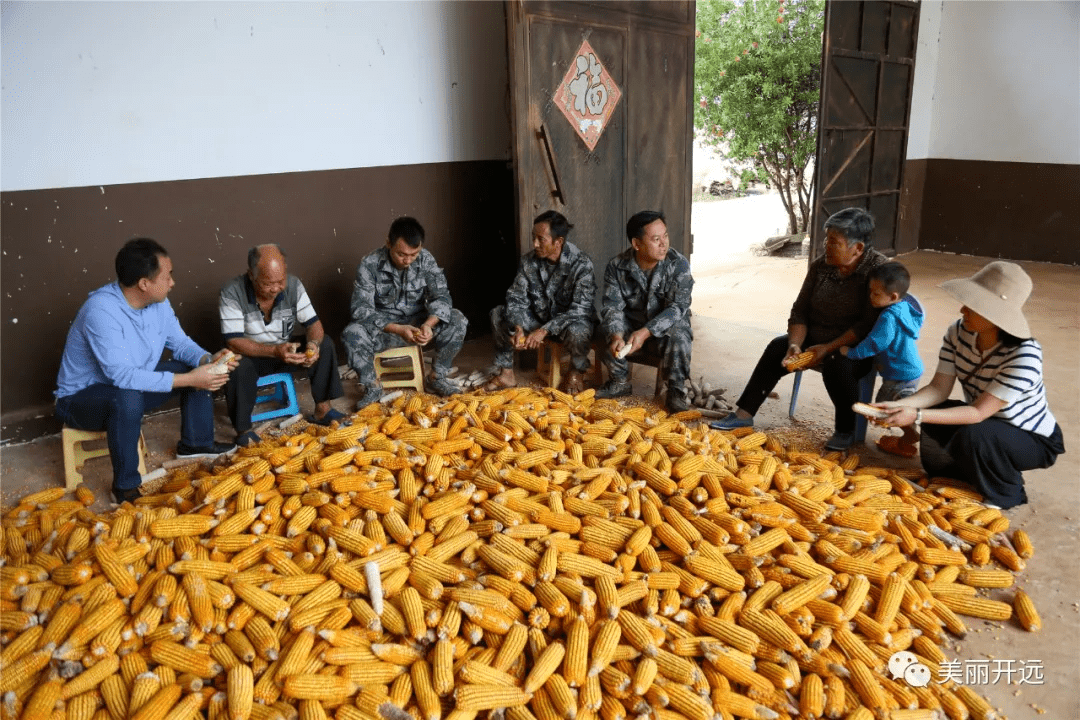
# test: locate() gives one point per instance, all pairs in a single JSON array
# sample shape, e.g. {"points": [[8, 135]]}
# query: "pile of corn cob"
{"points": [[523, 555]]}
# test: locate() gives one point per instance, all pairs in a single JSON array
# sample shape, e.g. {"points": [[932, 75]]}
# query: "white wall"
{"points": [[997, 81], [97, 93], [922, 90]]}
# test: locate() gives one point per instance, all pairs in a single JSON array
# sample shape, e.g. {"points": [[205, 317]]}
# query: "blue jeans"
{"points": [[119, 413]]}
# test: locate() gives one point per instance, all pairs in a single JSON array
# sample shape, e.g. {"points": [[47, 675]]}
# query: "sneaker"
{"points": [[732, 421], [371, 395], [441, 386], [614, 388], [123, 495], [677, 401], [247, 439], [840, 441], [183, 450]]}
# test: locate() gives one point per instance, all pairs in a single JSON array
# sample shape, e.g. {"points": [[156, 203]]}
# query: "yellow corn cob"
{"points": [[114, 691], [442, 668], [43, 699], [1025, 612], [24, 669], [801, 594], [183, 659], [159, 704], [71, 574], [91, 677], [268, 604], [986, 578], [934, 556], [1023, 545], [209, 569], [488, 697], [977, 607], [798, 362], [182, 526], [93, 623], [240, 686], [318, 687]]}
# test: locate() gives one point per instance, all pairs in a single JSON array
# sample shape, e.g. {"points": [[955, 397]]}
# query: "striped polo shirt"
{"points": [[241, 316], [1011, 374]]}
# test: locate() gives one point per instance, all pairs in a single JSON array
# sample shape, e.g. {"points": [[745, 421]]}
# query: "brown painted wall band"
{"points": [[60, 244]]}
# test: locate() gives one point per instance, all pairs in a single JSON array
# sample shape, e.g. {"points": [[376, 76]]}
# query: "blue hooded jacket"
{"points": [[891, 343]]}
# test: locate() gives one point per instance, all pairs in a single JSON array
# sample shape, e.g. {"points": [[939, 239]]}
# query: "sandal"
{"points": [[331, 415], [497, 383], [892, 445], [574, 383]]}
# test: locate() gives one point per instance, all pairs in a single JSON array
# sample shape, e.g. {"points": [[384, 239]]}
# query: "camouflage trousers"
{"points": [[362, 341], [673, 348], [577, 337]]}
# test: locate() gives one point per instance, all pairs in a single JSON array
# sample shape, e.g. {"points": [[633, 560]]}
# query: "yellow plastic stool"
{"points": [[75, 455], [415, 366]]}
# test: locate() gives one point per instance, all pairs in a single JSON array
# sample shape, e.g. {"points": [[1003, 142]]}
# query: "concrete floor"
{"points": [[739, 305]]}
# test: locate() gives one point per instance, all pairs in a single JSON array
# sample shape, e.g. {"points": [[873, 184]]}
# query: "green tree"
{"points": [[757, 73]]}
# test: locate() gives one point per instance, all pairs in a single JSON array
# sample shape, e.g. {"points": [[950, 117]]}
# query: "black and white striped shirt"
{"points": [[1011, 374]]}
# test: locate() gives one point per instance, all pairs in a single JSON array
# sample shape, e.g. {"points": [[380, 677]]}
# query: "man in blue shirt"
{"points": [[112, 373]]}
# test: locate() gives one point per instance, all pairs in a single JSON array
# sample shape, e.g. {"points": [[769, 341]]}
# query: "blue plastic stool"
{"points": [[284, 392], [866, 395]]}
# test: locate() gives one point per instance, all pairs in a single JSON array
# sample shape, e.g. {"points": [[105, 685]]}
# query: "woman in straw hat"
{"points": [[1004, 425]]}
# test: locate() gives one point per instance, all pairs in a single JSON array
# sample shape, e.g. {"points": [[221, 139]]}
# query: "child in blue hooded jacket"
{"points": [[891, 343]]}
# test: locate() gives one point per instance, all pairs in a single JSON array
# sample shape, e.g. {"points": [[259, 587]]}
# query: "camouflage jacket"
{"points": [[554, 293], [635, 299], [382, 294]]}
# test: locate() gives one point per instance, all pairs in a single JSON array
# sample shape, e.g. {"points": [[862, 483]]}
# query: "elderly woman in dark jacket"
{"points": [[832, 310]]}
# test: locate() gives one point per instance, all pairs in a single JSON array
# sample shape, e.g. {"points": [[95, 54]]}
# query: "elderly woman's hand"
{"points": [[820, 351]]}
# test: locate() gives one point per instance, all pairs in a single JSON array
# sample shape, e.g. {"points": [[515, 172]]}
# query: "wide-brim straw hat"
{"points": [[998, 293]]}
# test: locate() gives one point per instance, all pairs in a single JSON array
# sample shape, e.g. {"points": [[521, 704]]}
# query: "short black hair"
{"points": [[138, 259], [408, 229], [637, 222], [894, 277], [855, 224], [255, 255], [560, 226]]}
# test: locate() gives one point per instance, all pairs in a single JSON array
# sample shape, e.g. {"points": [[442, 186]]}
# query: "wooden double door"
{"points": [[601, 115]]}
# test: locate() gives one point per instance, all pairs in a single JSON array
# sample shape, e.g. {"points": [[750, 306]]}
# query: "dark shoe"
{"points": [[441, 386], [732, 421], [248, 439], [614, 388], [183, 450], [371, 395], [123, 495], [574, 382], [331, 415], [840, 441], [677, 401]]}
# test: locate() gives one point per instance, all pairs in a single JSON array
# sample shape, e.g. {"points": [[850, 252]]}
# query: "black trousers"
{"points": [[990, 455], [119, 412], [241, 390], [840, 374]]}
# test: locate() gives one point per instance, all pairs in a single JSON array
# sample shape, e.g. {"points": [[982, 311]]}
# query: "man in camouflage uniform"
{"points": [[647, 304], [400, 298], [551, 295]]}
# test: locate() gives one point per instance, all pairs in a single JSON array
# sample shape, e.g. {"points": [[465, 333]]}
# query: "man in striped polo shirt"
{"points": [[259, 312]]}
